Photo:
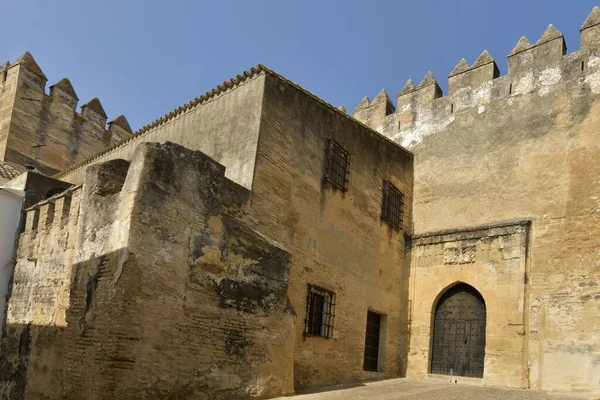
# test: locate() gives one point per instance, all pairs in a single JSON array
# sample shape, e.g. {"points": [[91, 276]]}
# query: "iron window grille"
{"points": [[320, 312], [393, 204], [337, 167]]}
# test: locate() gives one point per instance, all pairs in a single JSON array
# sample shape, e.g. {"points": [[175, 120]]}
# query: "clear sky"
{"points": [[143, 58]]}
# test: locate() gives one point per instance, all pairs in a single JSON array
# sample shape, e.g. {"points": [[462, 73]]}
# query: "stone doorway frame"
{"points": [[434, 312], [494, 260]]}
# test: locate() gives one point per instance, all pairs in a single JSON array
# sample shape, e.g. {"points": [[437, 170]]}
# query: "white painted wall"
{"points": [[11, 201]]}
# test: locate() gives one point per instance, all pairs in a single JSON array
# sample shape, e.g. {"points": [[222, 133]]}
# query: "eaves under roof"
{"points": [[225, 86]]}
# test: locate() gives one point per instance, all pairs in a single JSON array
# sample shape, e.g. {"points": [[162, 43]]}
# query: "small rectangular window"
{"points": [[393, 205], [337, 167], [320, 312]]}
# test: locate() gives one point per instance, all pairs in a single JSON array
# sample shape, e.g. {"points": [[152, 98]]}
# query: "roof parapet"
{"points": [[461, 67], [372, 113], [409, 96], [94, 112], [427, 90], [525, 59], [35, 74], [408, 87], [483, 69], [64, 92], [382, 98], [119, 128], [522, 45], [54, 212], [27, 61], [549, 48], [364, 103], [590, 30]]}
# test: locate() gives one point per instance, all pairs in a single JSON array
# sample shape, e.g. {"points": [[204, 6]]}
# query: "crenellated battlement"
{"points": [[54, 211], [61, 92], [532, 69], [32, 115], [483, 69]]}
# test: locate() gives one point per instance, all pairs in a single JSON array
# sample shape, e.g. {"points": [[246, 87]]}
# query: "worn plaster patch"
{"points": [[548, 78], [425, 125], [525, 85], [593, 79], [483, 94]]}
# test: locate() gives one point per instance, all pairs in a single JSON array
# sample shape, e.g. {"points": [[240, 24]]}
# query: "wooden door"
{"points": [[459, 333]]}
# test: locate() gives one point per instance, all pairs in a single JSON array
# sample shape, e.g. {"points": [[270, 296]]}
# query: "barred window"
{"points": [[337, 167], [393, 204], [320, 312]]}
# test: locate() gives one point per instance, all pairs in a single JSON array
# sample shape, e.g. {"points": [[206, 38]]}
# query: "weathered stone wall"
{"points": [[223, 124], [522, 145], [337, 239], [138, 286], [45, 131]]}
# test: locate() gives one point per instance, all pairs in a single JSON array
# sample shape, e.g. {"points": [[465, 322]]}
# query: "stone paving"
{"points": [[405, 389]]}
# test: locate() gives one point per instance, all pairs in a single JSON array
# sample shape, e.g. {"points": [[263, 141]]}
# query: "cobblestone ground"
{"points": [[404, 389]]}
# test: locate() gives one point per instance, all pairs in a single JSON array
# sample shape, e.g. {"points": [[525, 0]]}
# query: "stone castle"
{"points": [[257, 240]]}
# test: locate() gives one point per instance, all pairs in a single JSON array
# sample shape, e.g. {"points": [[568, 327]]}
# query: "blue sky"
{"points": [[145, 58]]}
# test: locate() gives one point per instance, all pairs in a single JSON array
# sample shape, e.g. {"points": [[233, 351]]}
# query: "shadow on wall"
{"points": [[219, 337]]}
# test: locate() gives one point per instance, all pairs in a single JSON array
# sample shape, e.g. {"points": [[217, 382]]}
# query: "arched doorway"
{"points": [[459, 333]]}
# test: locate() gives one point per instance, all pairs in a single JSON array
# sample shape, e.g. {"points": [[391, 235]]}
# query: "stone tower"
{"points": [[45, 131]]}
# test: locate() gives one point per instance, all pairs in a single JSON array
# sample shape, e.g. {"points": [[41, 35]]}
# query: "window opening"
{"points": [[320, 312], [393, 204], [337, 168]]}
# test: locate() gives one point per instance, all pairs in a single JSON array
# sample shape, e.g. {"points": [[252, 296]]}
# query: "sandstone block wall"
{"points": [[521, 145], [337, 239], [136, 285], [44, 130]]}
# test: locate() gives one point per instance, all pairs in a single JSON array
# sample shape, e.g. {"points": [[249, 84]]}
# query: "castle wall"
{"points": [[39, 298], [223, 125], [522, 145], [117, 294], [337, 239], [44, 130]]}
